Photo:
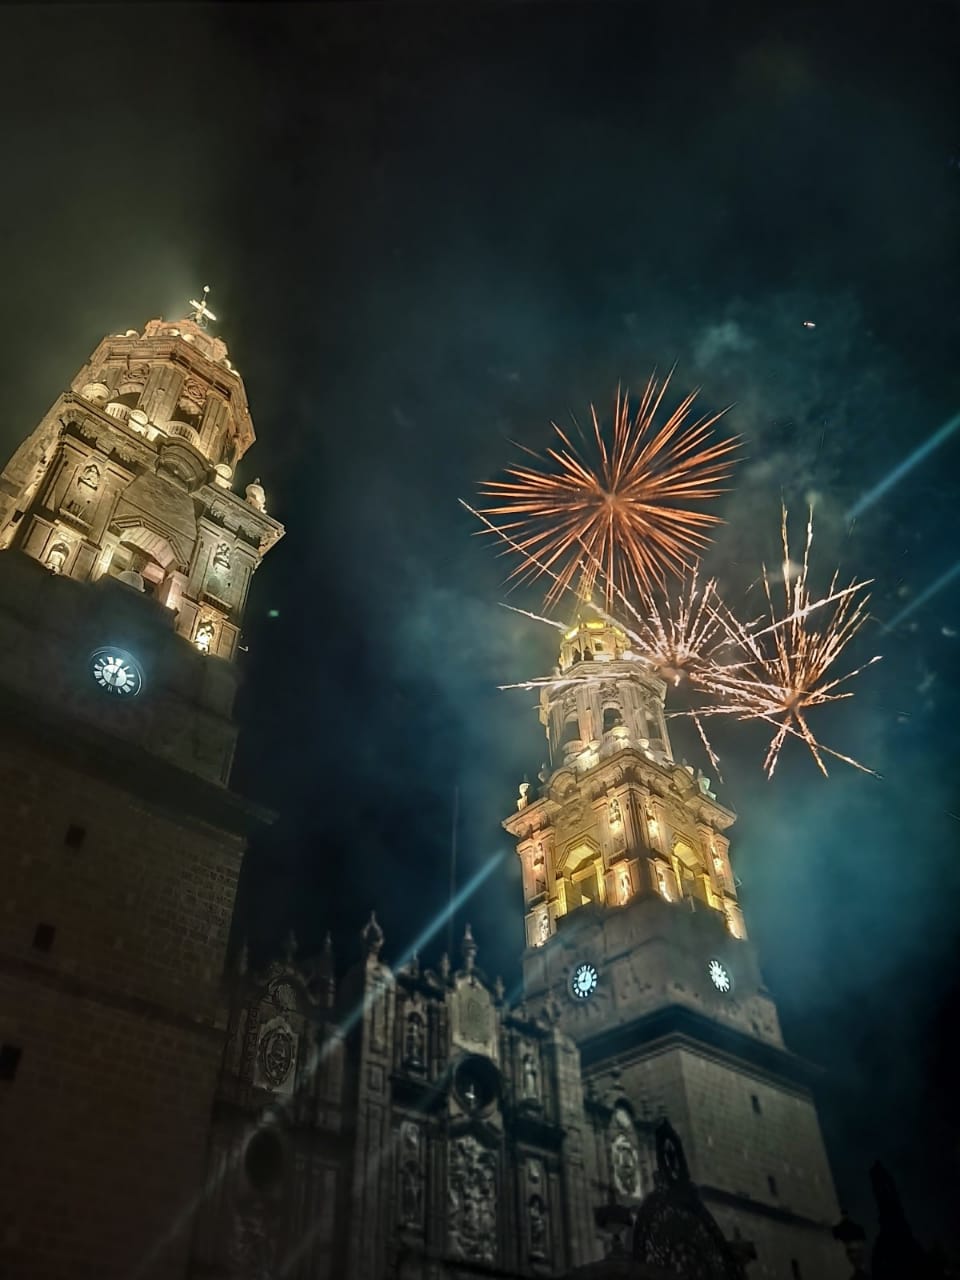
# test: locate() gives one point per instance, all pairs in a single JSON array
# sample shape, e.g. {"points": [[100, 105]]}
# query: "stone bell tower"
{"points": [[634, 930], [125, 565]]}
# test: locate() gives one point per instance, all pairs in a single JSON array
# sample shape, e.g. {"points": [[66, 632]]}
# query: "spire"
{"points": [[372, 937], [468, 949]]}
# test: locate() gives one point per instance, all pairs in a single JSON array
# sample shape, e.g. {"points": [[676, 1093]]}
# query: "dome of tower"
{"points": [[591, 638]]}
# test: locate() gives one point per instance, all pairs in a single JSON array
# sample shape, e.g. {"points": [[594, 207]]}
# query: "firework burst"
{"points": [[679, 634], [787, 666], [615, 511]]}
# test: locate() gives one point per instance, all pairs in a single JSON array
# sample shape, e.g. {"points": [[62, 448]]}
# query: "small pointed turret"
{"points": [[372, 937], [468, 949]]}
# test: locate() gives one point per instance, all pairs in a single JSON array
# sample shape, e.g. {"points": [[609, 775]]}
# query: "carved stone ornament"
{"points": [[472, 1200], [538, 1233], [284, 996], [195, 391], [276, 1053], [626, 1166]]}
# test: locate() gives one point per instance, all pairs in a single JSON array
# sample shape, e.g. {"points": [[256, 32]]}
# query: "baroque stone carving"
{"points": [[411, 1162], [474, 1018], [414, 1040], [472, 1200], [537, 1213], [624, 1159], [276, 1053]]}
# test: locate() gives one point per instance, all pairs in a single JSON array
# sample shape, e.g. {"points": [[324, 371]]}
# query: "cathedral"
{"points": [[633, 1112]]}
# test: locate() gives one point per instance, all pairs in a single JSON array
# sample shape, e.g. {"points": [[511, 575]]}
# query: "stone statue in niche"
{"points": [[90, 477], [203, 638], [472, 1200], [625, 1164], [57, 557], [221, 558], [414, 1046], [615, 814], [623, 884], [539, 870], [411, 1174], [537, 1218], [544, 928], [531, 1079], [537, 1223]]}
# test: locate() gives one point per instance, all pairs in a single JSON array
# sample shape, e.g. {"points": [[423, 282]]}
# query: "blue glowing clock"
{"points": [[583, 982], [116, 672], [720, 977]]}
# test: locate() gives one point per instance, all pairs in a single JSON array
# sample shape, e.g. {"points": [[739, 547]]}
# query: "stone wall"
{"points": [[114, 916]]}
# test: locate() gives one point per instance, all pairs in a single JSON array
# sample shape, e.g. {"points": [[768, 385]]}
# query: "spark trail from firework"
{"points": [[783, 679], [618, 502], [679, 642]]}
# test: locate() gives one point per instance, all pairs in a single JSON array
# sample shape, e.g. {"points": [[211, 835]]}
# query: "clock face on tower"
{"points": [[720, 977], [116, 672], [584, 981]]}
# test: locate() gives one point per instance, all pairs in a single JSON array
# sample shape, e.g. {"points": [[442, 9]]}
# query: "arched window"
{"points": [[612, 716], [571, 731]]}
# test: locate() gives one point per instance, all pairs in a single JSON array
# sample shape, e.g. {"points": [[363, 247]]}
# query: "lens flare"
{"points": [[613, 511]]}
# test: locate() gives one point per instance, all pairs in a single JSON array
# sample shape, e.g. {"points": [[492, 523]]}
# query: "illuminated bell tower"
{"points": [[635, 936], [127, 480], [125, 564]]}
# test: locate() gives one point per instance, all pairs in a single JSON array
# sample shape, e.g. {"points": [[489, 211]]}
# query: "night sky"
{"points": [[429, 232]]}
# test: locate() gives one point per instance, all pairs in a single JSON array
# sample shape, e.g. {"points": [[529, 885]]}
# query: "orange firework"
{"points": [[788, 664], [612, 510]]}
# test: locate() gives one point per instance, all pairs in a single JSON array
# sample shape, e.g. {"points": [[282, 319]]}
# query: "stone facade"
{"points": [[411, 1125], [122, 844], [395, 1121]]}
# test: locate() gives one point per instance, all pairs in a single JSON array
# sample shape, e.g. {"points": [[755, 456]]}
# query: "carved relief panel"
{"points": [[626, 1168], [411, 1165], [537, 1210], [276, 1056], [472, 1200], [474, 1019]]}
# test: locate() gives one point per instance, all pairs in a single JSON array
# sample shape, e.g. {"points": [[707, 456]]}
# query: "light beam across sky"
{"points": [[944, 580], [923, 451]]}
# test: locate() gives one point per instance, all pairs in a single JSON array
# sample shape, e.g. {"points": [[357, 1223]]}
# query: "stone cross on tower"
{"points": [[201, 312]]}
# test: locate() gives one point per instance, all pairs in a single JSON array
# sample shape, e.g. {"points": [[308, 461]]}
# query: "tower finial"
{"points": [[201, 312], [469, 949]]}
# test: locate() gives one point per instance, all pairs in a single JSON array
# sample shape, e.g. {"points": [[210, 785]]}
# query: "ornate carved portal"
{"points": [[472, 1200]]}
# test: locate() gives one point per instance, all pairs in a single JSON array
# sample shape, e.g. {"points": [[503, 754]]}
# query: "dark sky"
{"points": [[430, 231]]}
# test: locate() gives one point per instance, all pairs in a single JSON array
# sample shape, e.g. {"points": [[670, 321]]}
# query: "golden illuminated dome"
{"points": [[591, 638]]}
